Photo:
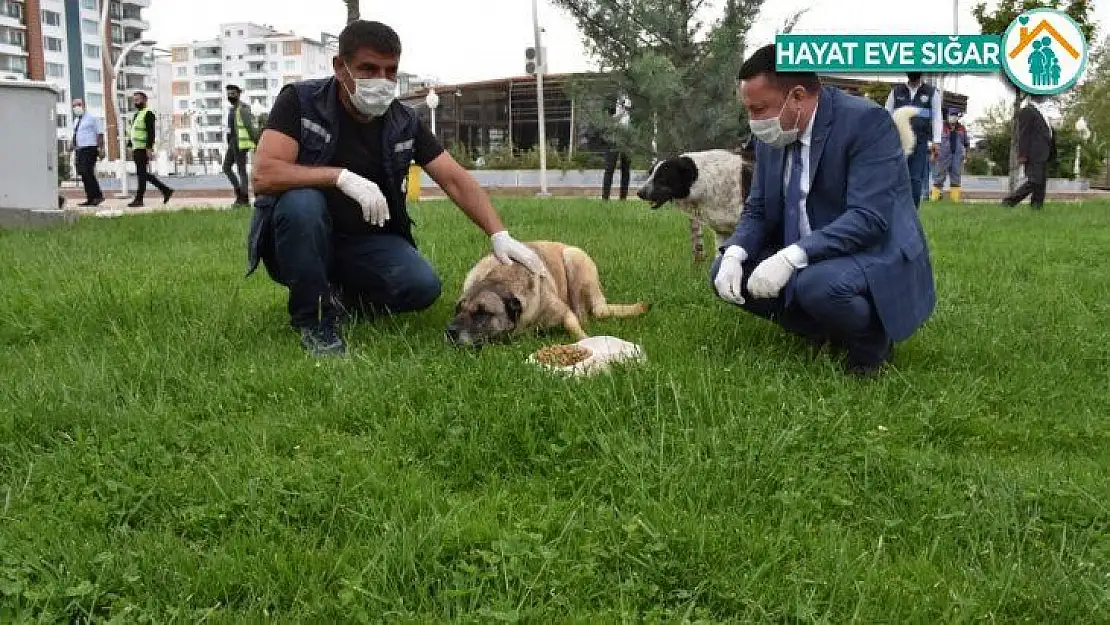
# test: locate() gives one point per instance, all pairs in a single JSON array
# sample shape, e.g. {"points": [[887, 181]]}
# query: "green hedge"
{"points": [[506, 158]]}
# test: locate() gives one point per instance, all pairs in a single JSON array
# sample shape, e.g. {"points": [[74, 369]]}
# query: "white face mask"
{"points": [[372, 96], [79, 111], [771, 132], [952, 119]]}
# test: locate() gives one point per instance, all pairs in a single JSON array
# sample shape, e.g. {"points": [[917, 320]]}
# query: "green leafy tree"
{"points": [[995, 22], [678, 72], [877, 91]]}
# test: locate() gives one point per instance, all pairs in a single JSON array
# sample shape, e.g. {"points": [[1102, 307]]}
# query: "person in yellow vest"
{"points": [[141, 141], [242, 137]]}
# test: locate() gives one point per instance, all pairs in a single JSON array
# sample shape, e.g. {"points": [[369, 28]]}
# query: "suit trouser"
{"points": [[918, 162], [237, 158], [86, 168], [611, 158], [374, 273], [142, 171], [832, 300], [1036, 184]]}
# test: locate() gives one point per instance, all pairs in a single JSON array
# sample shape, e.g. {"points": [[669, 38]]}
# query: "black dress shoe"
{"points": [[866, 367], [166, 195], [135, 204]]}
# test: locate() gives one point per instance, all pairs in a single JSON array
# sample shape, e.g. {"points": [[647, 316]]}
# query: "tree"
{"points": [[1091, 100], [997, 21], [352, 10], [877, 91], [678, 72]]}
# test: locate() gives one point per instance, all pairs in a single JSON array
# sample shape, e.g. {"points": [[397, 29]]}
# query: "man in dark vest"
{"points": [[330, 221], [926, 126]]}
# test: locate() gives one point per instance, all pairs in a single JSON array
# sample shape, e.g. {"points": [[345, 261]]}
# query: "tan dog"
{"points": [[500, 301]]}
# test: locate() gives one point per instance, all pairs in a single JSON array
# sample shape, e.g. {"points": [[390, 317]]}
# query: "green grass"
{"points": [[167, 454]]}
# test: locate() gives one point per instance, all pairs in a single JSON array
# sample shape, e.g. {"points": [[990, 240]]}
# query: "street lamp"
{"points": [[541, 67], [432, 100], [1084, 134], [121, 165]]}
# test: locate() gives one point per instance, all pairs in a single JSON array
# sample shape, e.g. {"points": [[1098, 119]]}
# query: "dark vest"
{"points": [[922, 123], [320, 109]]}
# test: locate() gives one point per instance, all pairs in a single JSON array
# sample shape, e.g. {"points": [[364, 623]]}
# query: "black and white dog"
{"points": [[709, 186]]}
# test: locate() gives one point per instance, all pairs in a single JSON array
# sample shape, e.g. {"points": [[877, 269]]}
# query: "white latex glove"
{"points": [[507, 249], [730, 275], [375, 209], [772, 274]]}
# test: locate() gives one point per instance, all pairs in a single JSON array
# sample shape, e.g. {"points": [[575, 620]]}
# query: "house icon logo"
{"points": [[1045, 52]]}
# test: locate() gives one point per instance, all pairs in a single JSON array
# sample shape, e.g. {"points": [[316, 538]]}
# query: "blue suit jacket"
{"points": [[859, 205]]}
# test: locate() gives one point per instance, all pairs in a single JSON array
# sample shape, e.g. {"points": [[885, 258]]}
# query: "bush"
{"points": [[977, 165], [505, 157]]}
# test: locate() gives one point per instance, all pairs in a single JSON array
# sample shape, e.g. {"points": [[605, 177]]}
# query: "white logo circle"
{"points": [[1044, 52]]}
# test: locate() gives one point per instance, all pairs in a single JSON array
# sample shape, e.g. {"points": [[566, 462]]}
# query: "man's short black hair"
{"points": [[366, 34], [762, 61], [235, 87], [140, 93]]}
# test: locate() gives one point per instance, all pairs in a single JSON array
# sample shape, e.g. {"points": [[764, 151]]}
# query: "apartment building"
{"points": [[258, 58], [60, 42]]}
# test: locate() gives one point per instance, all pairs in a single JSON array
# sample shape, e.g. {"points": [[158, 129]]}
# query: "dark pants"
{"points": [[142, 163], [611, 158], [238, 159], [832, 301], [918, 162], [86, 168], [1036, 184], [374, 274]]}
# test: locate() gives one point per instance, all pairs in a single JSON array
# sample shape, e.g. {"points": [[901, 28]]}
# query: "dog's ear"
{"points": [[688, 171], [513, 307]]}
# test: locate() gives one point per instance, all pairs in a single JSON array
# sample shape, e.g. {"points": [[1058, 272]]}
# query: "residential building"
{"points": [[257, 58], [60, 42]]}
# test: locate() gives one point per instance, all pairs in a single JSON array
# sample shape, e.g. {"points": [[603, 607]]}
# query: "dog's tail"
{"points": [[905, 131]]}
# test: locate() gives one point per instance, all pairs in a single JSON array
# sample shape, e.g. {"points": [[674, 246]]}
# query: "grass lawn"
{"points": [[168, 454]]}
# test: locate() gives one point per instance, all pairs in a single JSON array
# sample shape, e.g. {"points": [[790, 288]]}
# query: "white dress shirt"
{"points": [[806, 139], [87, 127], [938, 117]]}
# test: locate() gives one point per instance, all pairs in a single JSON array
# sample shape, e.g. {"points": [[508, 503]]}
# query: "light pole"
{"points": [[541, 67], [121, 168], [432, 100], [1084, 134]]}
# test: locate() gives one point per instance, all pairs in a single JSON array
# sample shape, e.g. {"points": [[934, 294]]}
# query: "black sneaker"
{"points": [[323, 340], [166, 195]]}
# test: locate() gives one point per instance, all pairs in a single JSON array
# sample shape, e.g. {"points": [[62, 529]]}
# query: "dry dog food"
{"points": [[562, 355]]}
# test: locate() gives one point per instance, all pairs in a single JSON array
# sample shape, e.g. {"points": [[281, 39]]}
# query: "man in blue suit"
{"points": [[829, 240]]}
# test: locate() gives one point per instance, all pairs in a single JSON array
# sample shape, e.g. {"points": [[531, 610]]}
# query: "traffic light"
{"points": [[533, 62]]}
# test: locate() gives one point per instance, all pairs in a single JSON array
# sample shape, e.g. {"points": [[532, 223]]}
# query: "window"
{"points": [[12, 36], [273, 48], [89, 27], [182, 70], [273, 67], [52, 44], [182, 105], [227, 33], [291, 66], [91, 51], [92, 76], [180, 87], [185, 137], [61, 96], [95, 100], [240, 33], [179, 54], [51, 18], [291, 48], [63, 121], [91, 5], [55, 70], [11, 9]]}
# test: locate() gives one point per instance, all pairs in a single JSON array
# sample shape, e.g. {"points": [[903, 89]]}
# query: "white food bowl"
{"points": [[604, 351]]}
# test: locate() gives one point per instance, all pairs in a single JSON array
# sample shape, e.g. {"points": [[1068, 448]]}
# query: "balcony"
{"points": [[209, 54], [142, 4], [11, 50], [256, 50], [135, 23]]}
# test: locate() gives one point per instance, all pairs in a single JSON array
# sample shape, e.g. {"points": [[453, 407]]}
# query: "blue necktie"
{"points": [[790, 229]]}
